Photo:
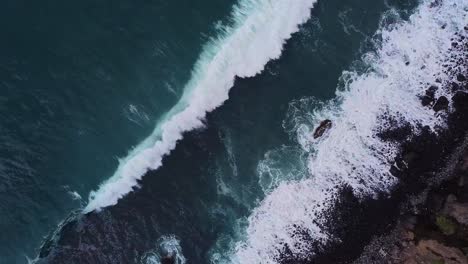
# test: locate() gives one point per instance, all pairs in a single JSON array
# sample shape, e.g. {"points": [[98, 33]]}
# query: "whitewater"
{"points": [[407, 59], [259, 30]]}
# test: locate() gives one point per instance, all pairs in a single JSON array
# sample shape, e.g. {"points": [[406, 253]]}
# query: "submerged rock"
{"points": [[322, 128], [441, 104]]}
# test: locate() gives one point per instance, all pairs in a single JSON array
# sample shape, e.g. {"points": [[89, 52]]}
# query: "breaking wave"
{"points": [[257, 36]]}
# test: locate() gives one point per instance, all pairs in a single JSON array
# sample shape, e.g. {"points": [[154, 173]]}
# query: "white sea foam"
{"points": [[259, 32], [409, 55], [75, 195]]}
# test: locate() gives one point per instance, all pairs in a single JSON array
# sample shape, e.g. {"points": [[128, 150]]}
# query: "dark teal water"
{"points": [[82, 83]]}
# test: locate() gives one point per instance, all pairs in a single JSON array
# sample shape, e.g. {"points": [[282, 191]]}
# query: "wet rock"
{"points": [[431, 251], [396, 130], [441, 104], [460, 101], [322, 128], [426, 101], [429, 98], [455, 87], [395, 171], [410, 157], [168, 260], [459, 211], [461, 77]]}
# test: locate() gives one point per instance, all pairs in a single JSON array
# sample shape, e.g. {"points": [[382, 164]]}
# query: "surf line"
{"points": [[260, 30]]}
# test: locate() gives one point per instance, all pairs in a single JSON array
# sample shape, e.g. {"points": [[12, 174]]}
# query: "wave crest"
{"points": [[260, 29]]}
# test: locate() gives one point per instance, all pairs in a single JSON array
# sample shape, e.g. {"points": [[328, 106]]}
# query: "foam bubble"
{"points": [[408, 55], [259, 32]]}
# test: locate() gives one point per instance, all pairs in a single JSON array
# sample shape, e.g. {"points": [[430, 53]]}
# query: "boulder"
{"points": [[429, 98], [441, 104], [322, 128]]}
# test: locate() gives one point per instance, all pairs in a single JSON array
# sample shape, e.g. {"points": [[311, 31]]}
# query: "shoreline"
{"points": [[437, 230], [369, 230]]}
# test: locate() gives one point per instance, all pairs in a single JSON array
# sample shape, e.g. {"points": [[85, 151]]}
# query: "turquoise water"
{"points": [[82, 85]]}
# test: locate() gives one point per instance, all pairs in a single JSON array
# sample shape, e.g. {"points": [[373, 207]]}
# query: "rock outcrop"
{"points": [[324, 126], [436, 233]]}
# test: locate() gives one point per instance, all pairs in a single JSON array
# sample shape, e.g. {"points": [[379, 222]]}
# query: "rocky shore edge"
{"points": [[424, 219], [435, 228], [432, 226]]}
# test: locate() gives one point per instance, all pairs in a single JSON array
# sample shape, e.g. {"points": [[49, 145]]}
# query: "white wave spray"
{"points": [[259, 32], [409, 56]]}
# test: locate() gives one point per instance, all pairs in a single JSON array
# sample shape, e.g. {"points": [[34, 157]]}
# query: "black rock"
{"points": [[441, 104], [429, 97], [455, 87], [460, 100], [461, 77], [426, 100], [322, 128], [410, 157], [431, 90], [168, 260]]}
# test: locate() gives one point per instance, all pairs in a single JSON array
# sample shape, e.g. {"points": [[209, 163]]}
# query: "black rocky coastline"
{"points": [[409, 224]]}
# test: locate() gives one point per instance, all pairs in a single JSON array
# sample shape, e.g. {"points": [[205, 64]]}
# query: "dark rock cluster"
{"points": [[436, 232], [423, 219], [433, 226]]}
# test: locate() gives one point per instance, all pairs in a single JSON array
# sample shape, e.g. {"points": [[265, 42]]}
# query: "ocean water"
{"points": [[135, 130], [81, 85]]}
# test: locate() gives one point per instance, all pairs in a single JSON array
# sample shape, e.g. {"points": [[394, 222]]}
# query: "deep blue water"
{"points": [[83, 83]]}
